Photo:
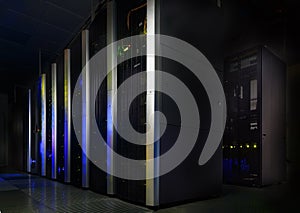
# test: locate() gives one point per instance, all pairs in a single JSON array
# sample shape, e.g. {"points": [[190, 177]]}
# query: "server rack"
{"points": [[35, 129], [67, 115], [132, 190], [254, 139], [97, 41], [178, 185], [76, 151], [49, 102], [190, 180], [42, 122], [60, 120]]}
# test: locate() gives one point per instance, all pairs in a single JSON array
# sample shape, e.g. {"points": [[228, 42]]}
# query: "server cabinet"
{"points": [[49, 123], [60, 147], [188, 21], [42, 121], [35, 129], [131, 23], [189, 180], [79, 56], [76, 151], [254, 150], [97, 41]]}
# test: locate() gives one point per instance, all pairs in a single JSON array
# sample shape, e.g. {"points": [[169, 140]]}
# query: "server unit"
{"points": [[254, 139]]}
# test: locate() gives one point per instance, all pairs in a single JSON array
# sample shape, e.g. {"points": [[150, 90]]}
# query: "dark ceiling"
{"points": [[27, 26]]}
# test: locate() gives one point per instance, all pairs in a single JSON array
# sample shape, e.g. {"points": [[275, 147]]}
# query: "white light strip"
{"points": [[54, 121], [152, 198], [67, 115], [29, 133], [111, 89], [85, 109]]}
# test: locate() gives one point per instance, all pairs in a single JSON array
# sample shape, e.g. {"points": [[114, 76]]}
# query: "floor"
{"points": [[26, 193]]}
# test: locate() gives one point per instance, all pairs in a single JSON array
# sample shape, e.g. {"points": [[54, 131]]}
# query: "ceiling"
{"points": [[27, 26]]}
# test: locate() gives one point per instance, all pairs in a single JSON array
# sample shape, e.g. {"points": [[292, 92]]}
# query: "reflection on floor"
{"points": [[27, 193]]}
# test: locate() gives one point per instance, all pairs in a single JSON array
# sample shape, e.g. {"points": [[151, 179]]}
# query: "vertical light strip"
{"points": [[85, 108], [67, 115], [152, 198], [29, 133], [43, 125], [111, 89], [54, 120]]}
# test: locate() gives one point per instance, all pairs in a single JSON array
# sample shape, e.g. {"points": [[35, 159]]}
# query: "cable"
{"points": [[133, 10]]}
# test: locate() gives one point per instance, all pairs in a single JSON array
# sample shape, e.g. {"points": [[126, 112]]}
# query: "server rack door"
{"points": [[38, 126], [97, 42], [48, 123], [241, 139], [60, 119], [35, 127], [67, 115], [249, 118], [131, 20], [76, 151], [42, 121], [273, 118], [231, 87], [188, 21]]}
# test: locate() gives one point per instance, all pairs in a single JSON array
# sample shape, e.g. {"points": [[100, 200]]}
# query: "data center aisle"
{"points": [[24, 193]]}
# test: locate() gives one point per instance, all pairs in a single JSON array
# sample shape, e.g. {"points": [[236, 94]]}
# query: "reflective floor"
{"points": [[27, 193]]}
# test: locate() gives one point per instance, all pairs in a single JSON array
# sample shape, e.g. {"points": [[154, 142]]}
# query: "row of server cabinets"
{"points": [[254, 85], [254, 138], [55, 149]]}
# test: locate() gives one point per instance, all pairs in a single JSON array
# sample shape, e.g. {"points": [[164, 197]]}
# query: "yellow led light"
{"points": [[231, 147], [241, 146], [247, 146], [254, 146]]}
